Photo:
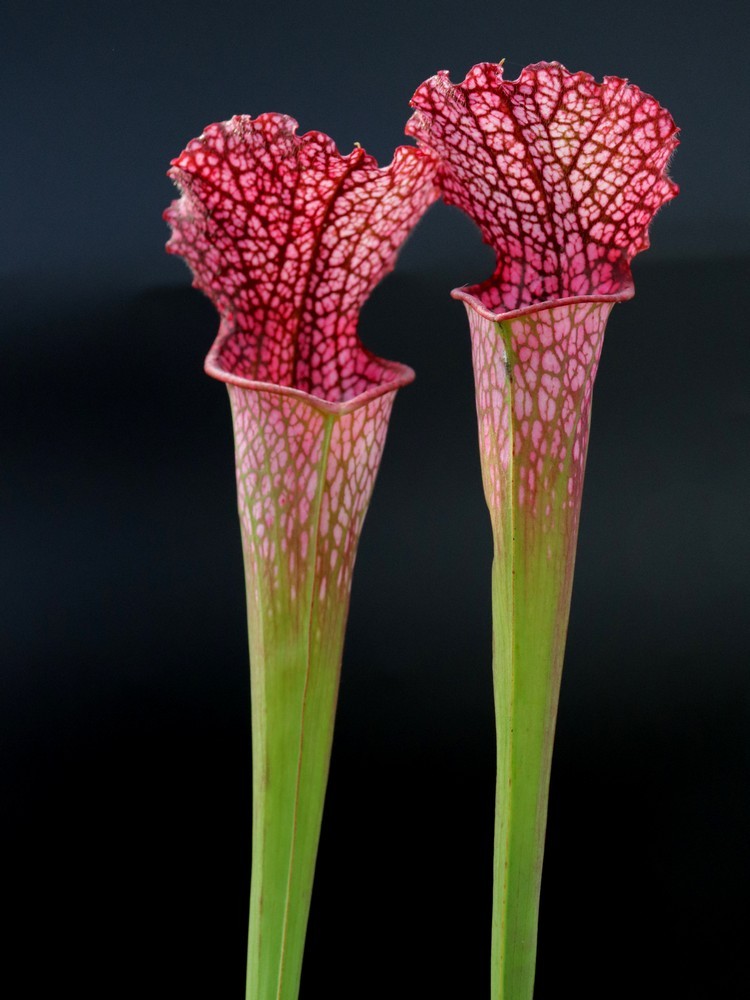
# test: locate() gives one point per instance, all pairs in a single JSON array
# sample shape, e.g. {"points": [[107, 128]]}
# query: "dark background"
{"points": [[125, 717]]}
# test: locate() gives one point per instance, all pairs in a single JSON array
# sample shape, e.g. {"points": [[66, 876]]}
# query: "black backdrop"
{"points": [[125, 719]]}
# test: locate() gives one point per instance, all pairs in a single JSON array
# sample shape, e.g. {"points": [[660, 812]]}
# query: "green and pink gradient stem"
{"points": [[533, 452], [304, 478], [288, 237], [563, 176]]}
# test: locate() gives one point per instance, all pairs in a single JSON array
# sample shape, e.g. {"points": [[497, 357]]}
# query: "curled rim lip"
{"points": [[402, 375], [465, 294]]}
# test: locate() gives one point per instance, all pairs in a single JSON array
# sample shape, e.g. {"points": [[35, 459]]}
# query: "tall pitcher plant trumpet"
{"points": [[288, 237], [563, 176]]}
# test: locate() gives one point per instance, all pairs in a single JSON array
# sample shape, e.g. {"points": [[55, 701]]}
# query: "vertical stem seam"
{"points": [[314, 524], [502, 916]]}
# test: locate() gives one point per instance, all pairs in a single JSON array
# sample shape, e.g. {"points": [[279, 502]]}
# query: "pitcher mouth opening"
{"points": [[471, 296], [370, 378], [499, 298]]}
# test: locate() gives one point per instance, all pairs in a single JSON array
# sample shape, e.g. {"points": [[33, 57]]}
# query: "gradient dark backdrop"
{"points": [[125, 720]]}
